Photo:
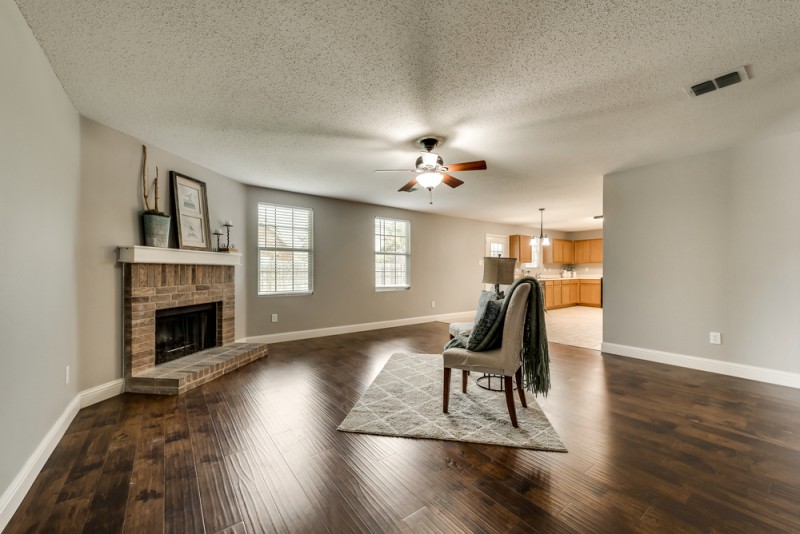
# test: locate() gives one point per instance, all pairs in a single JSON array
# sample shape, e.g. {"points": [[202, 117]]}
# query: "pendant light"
{"points": [[543, 239]]}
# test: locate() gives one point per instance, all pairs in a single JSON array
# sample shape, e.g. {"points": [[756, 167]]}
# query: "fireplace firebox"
{"points": [[185, 330]]}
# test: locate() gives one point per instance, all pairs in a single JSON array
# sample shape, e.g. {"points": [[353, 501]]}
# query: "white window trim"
{"points": [[310, 251], [407, 255]]}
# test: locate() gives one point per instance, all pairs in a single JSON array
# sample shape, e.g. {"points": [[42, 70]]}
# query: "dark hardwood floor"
{"points": [[651, 448]]}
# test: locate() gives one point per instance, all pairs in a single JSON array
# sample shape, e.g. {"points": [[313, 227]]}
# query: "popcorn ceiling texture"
{"points": [[313, 96]]}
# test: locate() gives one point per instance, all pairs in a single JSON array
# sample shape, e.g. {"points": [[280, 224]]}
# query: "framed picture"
{"points": [[191, 212]]}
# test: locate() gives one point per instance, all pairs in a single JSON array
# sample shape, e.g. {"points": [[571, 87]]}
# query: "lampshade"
{"points": [[498, 270], [429, 180]]}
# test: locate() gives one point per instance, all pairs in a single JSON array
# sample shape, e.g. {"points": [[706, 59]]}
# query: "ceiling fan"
{"points": [[431, 170]]}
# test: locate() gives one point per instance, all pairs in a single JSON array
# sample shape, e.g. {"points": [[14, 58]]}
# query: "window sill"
{"points": [[385, 289], [292, 294]]}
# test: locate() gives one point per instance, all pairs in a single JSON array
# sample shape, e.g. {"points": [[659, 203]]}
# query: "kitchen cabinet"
{"points": [[562, 251], [590, 293], [570, 292], [560, 293], [547, 285], [582, 251], [520, 247], [589, 251], [595, 251]]}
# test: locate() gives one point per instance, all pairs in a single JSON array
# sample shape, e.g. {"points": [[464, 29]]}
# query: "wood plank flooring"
{"points": [[652, 448]]}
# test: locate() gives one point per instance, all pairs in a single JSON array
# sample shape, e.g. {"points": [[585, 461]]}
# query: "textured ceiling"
{"points": [[312, 96]]}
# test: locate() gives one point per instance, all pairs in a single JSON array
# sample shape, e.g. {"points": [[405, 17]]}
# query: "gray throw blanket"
{"points": [[535, 356]]}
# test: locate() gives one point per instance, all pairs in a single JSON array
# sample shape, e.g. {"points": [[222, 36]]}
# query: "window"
{"points": [[392, 253], [285, 250]]}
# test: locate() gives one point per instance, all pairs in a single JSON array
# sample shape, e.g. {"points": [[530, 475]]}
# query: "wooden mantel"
{"points": [[175, 256]]}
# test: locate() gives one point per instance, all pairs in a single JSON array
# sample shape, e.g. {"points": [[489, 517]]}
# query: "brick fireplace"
{"points": [[150, 285]]}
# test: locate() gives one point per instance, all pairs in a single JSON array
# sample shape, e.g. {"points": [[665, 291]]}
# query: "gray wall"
{"points": [[445, 252], [111, 204], [707, 243], [39, 211]]}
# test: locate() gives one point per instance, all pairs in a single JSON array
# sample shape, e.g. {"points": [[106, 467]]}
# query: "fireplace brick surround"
{"points": [[149, 287]]}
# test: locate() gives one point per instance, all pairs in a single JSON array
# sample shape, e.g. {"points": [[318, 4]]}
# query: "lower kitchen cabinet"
{"points": [[547, 286], [591, 293], [563, 293]]}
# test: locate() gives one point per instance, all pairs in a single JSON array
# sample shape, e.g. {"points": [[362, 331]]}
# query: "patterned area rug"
{"points": [[406, 400]]}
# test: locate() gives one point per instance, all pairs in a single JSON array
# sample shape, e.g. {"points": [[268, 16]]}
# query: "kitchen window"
{"points": [[392, 254], [285, 250]]}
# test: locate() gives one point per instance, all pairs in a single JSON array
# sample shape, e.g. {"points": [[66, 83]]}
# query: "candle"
{"points": [[218, 231], [228, 223]]}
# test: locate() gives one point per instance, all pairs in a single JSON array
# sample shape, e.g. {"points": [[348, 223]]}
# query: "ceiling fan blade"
{"points": [[452, 181], [468, 166], [408, 187], [395, 170]]}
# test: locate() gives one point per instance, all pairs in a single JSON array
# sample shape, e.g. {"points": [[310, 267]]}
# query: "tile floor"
{"points": [[579, 326]]}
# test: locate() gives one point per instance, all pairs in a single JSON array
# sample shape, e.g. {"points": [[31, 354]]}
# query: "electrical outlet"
{"points": [[433, 304], [66, 375], [715, 338], [274, 317]]}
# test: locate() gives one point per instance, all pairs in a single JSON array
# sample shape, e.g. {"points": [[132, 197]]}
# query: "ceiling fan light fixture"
{"points": [[429, 159], [429, 180]]}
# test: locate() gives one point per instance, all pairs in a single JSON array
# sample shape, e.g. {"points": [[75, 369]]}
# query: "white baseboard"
{"points": [[102, 392], [351, 328], [19, 487], [16, 491], [750, 372]]}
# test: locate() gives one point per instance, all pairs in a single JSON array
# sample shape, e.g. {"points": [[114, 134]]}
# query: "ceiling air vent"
{"points": [[731, 78]]}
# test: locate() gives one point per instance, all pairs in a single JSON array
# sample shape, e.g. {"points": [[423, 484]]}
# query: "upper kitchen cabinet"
{"points": [[520, 248], [589, 251], [560, 251]]}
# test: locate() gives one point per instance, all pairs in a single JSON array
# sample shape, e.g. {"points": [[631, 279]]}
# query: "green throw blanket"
{"points": [[535, 356]]}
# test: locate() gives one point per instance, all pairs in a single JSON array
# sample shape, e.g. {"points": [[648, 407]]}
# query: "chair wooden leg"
{"points": [[464, 375], [446, 389], [521, 389], [512, 411]]}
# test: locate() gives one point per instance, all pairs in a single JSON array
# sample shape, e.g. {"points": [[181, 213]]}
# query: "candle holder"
{"points": [[229, 247], [218, 232]]}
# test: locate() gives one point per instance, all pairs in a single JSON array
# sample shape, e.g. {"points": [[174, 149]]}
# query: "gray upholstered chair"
{"points": [[505, 361]]}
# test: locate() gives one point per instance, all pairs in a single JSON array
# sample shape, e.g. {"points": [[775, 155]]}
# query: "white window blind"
{"points": [[392, 253], [285, 249]]}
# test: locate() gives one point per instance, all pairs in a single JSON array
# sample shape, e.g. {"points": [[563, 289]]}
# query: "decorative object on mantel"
{"points": [[217, 232], [191, 212], [229, 247], [156, 224]]}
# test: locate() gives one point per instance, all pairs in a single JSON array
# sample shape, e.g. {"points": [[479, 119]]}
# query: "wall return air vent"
{"points": [[731, 78]]}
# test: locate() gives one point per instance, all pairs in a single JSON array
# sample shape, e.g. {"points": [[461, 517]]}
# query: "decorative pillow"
{"points": [[484, 297], [486, 318]]}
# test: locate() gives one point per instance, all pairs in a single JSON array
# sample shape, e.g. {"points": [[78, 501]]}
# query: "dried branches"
{"points": [[144, 185]]}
